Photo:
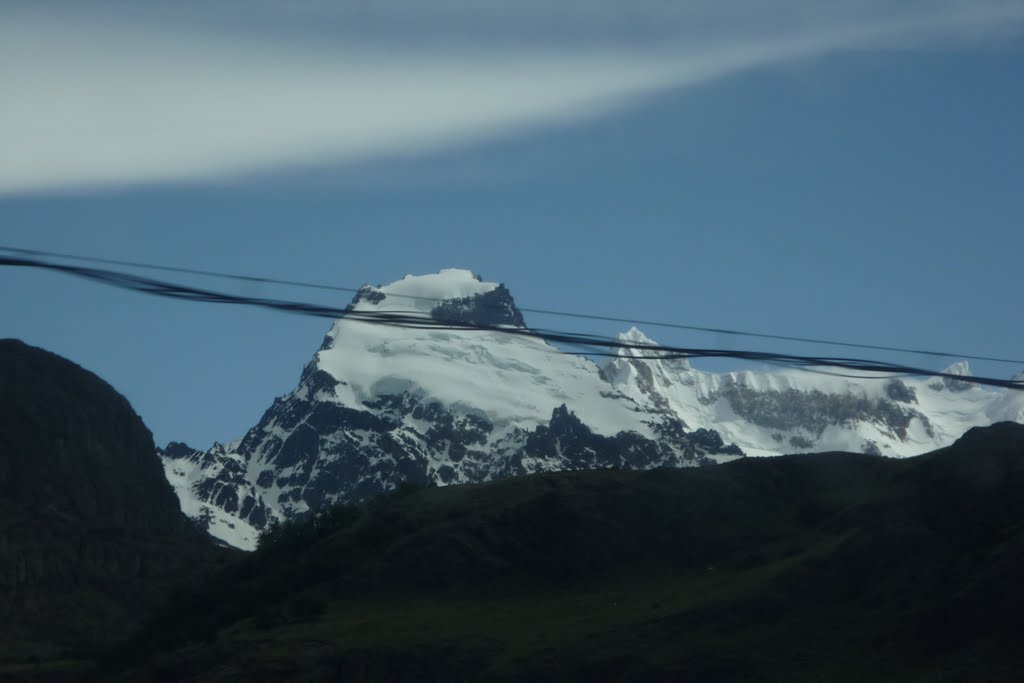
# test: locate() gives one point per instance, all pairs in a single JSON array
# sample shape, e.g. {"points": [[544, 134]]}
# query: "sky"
{"points": [[842, 170]]}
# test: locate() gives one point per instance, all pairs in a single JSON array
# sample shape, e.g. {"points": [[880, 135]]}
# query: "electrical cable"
{"points": [[600, 346], [535, 311]]}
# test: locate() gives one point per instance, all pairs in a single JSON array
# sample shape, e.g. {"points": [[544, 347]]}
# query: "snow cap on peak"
{"points": [[962, 368], [452, 294], [634, 336], [423, 292]]}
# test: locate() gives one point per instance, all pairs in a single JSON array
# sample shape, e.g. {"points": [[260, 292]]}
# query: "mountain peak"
{"points": [[452, 294], [961, 368], [422, 292], [635, 338]]}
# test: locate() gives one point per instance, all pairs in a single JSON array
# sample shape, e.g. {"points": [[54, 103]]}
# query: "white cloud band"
{"points": [[86, 105]]}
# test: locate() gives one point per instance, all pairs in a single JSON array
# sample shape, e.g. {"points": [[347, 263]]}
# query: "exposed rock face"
{"points": [[305, 454], [90, 523], [495, 307]]}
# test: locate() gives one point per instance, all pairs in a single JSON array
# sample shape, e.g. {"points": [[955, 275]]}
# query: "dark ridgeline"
{"points": [[831, 566], [91, 533]]}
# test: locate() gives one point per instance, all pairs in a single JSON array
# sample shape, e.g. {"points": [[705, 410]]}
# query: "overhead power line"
{"points": [[536, 311], [598, 346]]}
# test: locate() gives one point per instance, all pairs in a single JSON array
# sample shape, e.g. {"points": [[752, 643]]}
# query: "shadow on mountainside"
{"points": [[91, 534]]}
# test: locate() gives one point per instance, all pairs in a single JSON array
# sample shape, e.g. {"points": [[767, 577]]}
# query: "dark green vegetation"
{"points": [[831, 567], [91, 535]]}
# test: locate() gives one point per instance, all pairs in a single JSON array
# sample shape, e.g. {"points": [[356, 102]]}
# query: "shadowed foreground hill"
{"points": [[91, 534], [834, 567]]}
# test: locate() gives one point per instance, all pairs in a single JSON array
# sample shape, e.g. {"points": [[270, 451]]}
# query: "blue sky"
{"points": [[821, 170]]}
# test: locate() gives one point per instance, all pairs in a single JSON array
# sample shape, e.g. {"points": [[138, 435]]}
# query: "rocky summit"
{"points": [[381, 405]]}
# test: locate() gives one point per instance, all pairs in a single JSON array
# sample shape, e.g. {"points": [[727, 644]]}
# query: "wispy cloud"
{"points": [[136, 93]]}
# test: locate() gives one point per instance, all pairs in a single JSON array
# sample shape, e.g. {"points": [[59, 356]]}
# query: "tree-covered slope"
{"points": [[836, 567]]}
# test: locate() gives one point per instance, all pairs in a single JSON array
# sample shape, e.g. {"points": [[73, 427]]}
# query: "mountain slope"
{"points": [[836, 566], [91, 534], [379, 405]]}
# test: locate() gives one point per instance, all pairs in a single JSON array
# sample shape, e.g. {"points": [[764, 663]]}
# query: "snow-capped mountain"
{"points": [[797, 411], [379, 405]]}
